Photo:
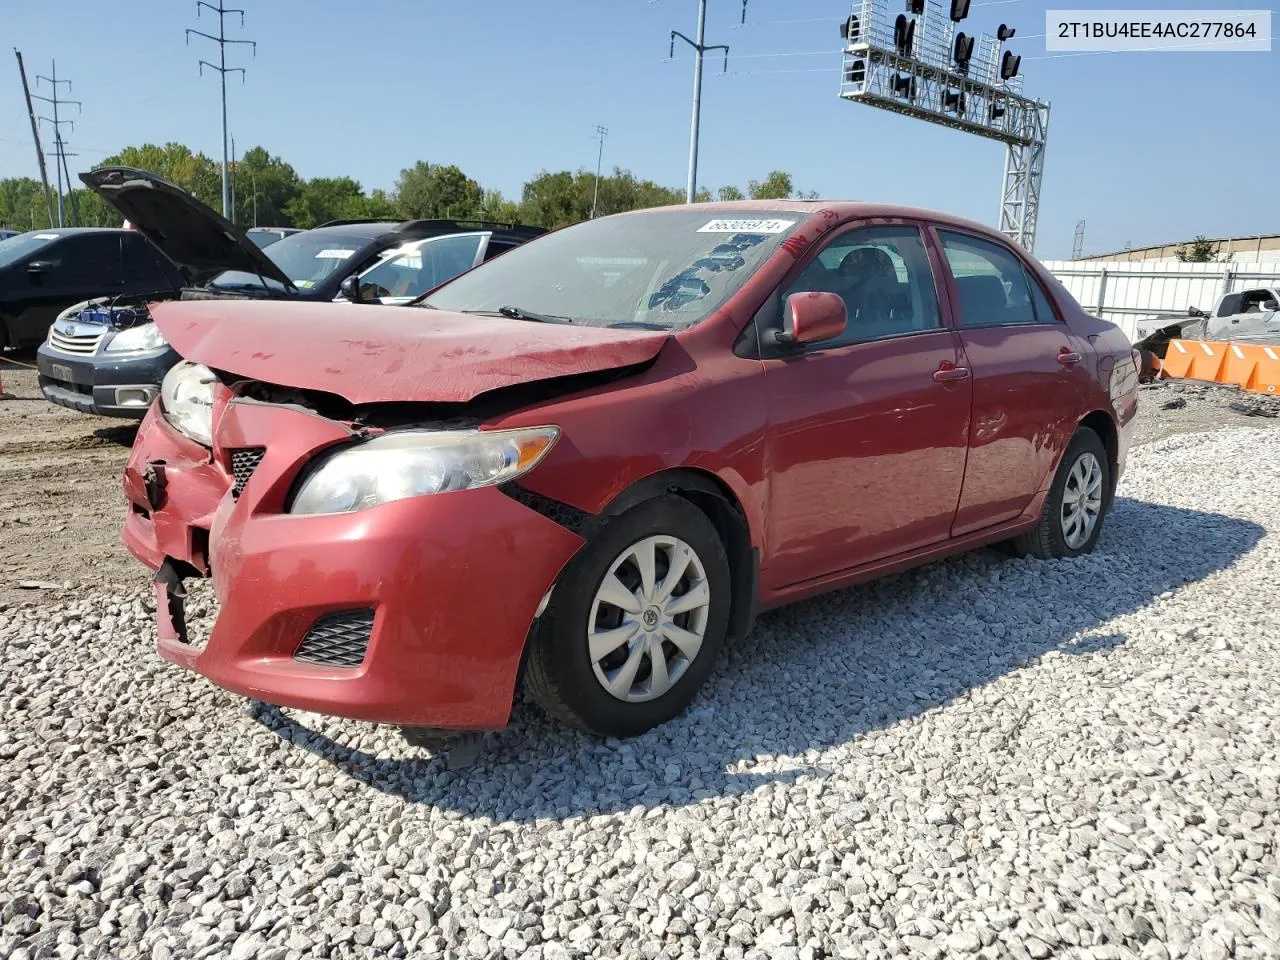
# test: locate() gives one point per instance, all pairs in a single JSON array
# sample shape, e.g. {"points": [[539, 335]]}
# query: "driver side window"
{"points": [[883, 276]]}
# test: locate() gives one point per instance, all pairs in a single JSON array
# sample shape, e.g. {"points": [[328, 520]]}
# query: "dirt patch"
{"points": [[60, 500]]}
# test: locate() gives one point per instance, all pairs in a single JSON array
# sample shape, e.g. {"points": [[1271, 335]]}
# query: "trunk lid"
{"points": [[375, 354]]}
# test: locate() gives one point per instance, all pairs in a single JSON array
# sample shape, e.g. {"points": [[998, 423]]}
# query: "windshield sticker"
{"points": [[747, 226], [335, 254], [46, 236], [304, 284]]}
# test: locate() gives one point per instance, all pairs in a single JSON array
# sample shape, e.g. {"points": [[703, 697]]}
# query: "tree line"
{"points": [[268, 192]]}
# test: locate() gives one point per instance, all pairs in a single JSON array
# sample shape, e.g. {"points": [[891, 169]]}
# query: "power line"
{"points": [[60, 150], [221, 67]]}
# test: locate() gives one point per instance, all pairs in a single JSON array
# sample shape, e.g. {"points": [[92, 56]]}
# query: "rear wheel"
{"points": [[635, 622], [1077, 503]]}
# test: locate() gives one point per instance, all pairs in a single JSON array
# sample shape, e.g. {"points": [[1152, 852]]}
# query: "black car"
{"points": [[107, 357], [45, 271]]}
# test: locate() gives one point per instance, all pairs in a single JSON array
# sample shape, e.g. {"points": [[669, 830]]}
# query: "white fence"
{"points": [[1125, 293]]}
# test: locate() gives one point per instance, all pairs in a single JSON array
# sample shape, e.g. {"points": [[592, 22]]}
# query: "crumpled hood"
{"points": [[377, 354]]}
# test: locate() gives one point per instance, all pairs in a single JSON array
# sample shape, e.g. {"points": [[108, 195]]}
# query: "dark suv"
{"points": [[45, 271], [107, 357]]}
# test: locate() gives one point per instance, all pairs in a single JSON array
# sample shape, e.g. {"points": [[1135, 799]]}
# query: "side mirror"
{"points": [[1195, 312], [40, 266], [350, 288], [812, 318], [1270, 306]]}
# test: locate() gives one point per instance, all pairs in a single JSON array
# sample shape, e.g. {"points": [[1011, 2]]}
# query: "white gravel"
{"points": [[989, 757]]}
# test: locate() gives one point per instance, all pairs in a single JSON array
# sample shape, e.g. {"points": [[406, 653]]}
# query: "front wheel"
{"points": [[634, 623], [1077, 503]]}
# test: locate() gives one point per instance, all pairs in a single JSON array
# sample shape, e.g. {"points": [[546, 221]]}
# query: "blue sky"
{"points": [[1147, 147]]}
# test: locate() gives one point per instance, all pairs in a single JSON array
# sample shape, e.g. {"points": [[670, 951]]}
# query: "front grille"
{"points": [[84, 345], [243, 462], [338, 640]]}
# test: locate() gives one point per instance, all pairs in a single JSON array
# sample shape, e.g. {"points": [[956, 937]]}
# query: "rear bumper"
{"points": [[452, 582], [103, 384]]}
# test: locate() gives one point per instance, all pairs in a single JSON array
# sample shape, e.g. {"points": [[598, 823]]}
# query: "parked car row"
{"points": [[589, 462], [85, 293]]}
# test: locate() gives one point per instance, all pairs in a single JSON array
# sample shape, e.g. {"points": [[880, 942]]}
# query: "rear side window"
{"points": [[90, 258], [992, 285]]}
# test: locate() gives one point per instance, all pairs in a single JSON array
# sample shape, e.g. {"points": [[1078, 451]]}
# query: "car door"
{"points": [[1030, 378], [414, 269], [77, 267], [867, 431]]}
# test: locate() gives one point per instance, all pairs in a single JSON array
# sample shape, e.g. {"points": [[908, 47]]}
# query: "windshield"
{"points": [[415, 268], [306, 259], [665, 269], [16, 248]]}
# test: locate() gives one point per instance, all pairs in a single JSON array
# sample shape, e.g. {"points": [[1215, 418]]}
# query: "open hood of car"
{"points": [[200, 242], [378, 354]]}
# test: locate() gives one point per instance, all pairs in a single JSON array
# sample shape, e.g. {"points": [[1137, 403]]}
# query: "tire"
{"points": [[562, 675], [1054, 536]]}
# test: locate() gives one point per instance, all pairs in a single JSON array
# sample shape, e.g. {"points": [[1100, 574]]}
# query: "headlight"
{"points": [[186, 398], [137, 339], [418, 463]]}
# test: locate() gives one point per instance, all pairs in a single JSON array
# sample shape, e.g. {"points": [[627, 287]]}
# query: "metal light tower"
{"points": [[918, 64], [221, 66], [601, 133]]}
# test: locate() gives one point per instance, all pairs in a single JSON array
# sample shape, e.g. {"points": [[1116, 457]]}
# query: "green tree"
{"points": [[22, 205], [730, 193], [499, 209], [193, 172], [776, 186], [327, 198], [1202, 250], [265, 185], [428, 190]]}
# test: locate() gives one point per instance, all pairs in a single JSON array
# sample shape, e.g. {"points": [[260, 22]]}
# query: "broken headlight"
{"points": [[137, 340], [186, 399], [418, 463]]}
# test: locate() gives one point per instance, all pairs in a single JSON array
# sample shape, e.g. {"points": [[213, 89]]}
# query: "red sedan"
{"points": [[588, 462]]}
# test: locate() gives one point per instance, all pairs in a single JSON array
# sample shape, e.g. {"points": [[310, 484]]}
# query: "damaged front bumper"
{"points": [[414, 612]]}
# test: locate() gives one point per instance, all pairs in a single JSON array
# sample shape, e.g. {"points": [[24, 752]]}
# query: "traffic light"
{"points": [[904, 35], [851, 29], [954, 100], [904, 85], [915, 7], [1005, 33], [959, 10], [857, 72], [1009, 65], [963, 51], [997, 111]]}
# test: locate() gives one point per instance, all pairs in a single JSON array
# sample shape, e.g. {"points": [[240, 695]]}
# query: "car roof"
{"points": [[73, 231], [840, 211]]}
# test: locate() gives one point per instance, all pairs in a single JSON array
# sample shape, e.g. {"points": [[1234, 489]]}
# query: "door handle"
{"points": [[949, 374], [1067, 358]]}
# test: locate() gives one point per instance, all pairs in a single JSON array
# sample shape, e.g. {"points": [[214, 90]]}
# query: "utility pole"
{"points": [[75, 204], [35, 136], [59, 146], [1077, 245], [222, 68], [601, 133], [232, 218], [699, 48]]}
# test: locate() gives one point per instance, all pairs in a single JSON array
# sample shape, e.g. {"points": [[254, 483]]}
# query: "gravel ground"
{"points": [[987, 756]]}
